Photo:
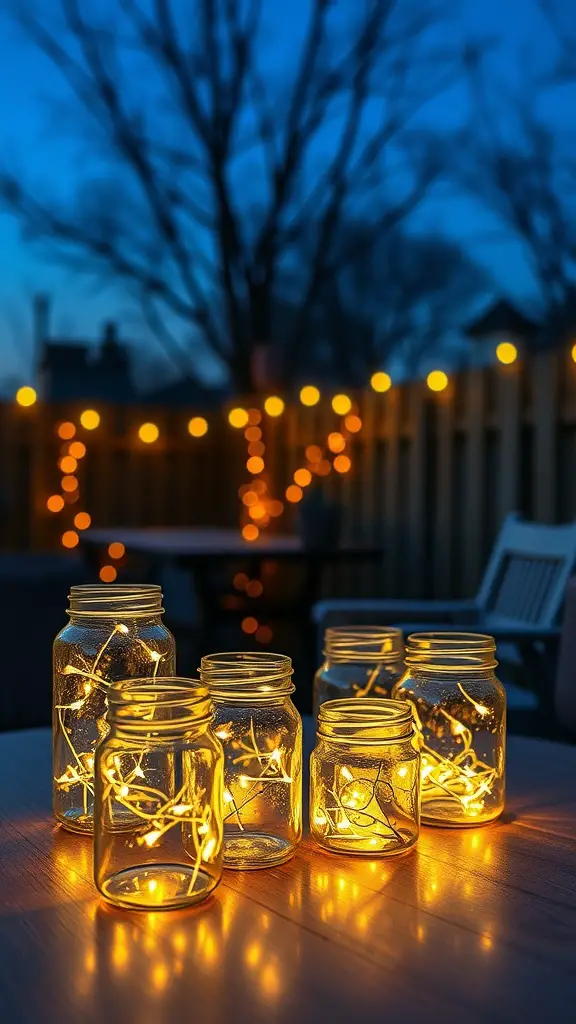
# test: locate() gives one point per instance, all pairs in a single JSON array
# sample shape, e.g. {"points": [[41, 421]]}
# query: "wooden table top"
{"points": [[474, 925], [216, 543]]}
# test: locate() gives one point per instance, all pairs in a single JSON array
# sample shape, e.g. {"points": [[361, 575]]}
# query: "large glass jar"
{"points": [[261, 732], [115, 632], [460, 711], [359, 661], [365, 777], [159, 787]]}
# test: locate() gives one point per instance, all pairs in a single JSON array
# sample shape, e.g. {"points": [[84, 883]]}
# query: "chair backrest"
{"points": [[526, 576]]}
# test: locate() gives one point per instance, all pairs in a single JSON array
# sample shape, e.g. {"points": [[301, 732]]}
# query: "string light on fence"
{"points": [[108, 574], [82, 521], [274, 405], [116, 549], [148, 433], [437, 380], [380, 381], [55, 503], [66, 431], [198, 426], [26, 396], [309, 395], [70, 539], [90, 419], [238, 418], [341, 404], [506, 353]]}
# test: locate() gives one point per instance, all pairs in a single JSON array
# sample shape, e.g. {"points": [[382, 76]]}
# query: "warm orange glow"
{"points": [[309, 395], [381, 381], [66, 431], [323, 467], [302, 477], [276, 508], [353, 423], [254, 417], [256, 448], [274, 406], [255, 464], [26, 396], [249, 624], [573, 353], [238, 418], [68, 464], [90, 419], [250, 498], [506, 353], [336, 442], [264, 634], [437, 380], [240, 581], [342, 464], [254, 588], [77, 449], [198, 426], [82, 521], [69, 483], [341, 404], [259, 486], [257, 512], [108, 574], [250, 532], [55, 503], [253, 434], [70, 539], [116, 549], [294, 493], [148, 433], [314, 453], [71, 497]]}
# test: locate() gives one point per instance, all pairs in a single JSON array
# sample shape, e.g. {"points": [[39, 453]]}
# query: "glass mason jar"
{"points": [[359, 661], [365, 778], [261, 732], [158, 796], [115, 632], [460, 711]]}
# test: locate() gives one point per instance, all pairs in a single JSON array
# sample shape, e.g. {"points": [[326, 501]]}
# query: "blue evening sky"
{"points": [[29, 138]]}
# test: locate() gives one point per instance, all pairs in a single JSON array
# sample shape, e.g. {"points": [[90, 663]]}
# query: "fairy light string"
{"points": [[262, 769]]}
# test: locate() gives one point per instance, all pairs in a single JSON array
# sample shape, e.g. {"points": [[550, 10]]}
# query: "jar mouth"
{"points": [[451, 651], [365, 719], [372, 644], [242, 675], [159, 703], [107, 600]]}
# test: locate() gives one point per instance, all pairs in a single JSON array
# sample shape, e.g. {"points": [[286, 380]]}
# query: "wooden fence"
{"points": [[433, 474]]}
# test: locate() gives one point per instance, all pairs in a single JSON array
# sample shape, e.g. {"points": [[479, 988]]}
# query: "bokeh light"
{"points": [[302, 477], [66, 431], [336, 442], [240, 581], [26, 396], [108, 574], [255, 464], [55, 503], [314, 453], [275, 508], [238, 418], [253, 434], [274, 405], [70, 539], [198, 426], [148, 433], [294, 493], [323, 467], [353, 423], [264, 634], [82, 521], [68, 464], [250, 532], [256, 448], [341, 404], [309, 395], [573, 353], [254, 417], [116, 549], [77, 450], [69, 483], [342, 464], [90, 419], [249, 624], [254, 588], [380, 381], [437, 380], [506, 353]]}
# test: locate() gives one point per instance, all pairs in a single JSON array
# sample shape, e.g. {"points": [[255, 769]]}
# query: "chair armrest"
{"points": [[388, 613]]}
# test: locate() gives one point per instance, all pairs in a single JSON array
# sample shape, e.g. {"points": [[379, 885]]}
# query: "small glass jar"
{"points": [[359, 661], [115, 632], [460, 712], [261, 732], [365, 777], [159, 788]]}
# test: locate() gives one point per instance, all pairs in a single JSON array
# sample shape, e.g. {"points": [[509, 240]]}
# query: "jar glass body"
{"points": [[261, 732], [364, 778], [359, 661], [114, 633], [460, 712], [158, 797]]}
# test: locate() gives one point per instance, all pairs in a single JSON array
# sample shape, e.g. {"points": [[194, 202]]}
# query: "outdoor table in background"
{"points": [[475, 925]]}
